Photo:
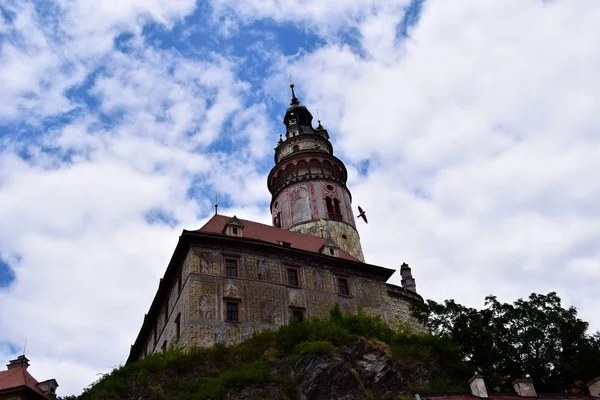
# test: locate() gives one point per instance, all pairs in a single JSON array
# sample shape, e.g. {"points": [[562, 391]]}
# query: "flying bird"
{"points": [[362, 214]]}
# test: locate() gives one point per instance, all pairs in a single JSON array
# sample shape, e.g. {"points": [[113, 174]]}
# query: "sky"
{"points": [[470, 130]]}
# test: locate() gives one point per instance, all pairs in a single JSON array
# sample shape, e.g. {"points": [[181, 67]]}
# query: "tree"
{"points": [[505, 341]]}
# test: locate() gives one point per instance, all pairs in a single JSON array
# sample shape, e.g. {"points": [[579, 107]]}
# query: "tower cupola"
{"points": [[308, 183]]}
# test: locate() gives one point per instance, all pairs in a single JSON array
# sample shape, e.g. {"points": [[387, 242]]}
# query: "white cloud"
{"points": [[480, 130]]}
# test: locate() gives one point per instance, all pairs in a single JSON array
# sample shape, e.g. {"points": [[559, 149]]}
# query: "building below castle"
{"points": [[16, 383], [233, 277]]}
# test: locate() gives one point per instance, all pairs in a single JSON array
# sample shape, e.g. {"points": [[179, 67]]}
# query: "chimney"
{"points": [[478, 386], [408, 282], [524, 387], [594, 387], [19, 362]]}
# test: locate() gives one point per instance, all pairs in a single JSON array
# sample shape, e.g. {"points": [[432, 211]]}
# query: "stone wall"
{"points": [[265, 299]]}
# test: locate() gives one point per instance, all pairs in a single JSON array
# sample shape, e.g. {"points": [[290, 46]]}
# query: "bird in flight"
{"points": [[362, 214]]}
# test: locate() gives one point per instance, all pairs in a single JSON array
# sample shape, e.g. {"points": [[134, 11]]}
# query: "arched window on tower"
{"points": [[330, 210], [338, 211], [277, 220]]}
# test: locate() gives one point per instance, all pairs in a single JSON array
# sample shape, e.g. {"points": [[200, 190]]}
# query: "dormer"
{"points": [[49, 387], [233, 227], [330, 248]]}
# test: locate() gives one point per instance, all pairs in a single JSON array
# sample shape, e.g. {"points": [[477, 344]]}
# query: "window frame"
{"points": [[237, 267], [227, 311], [347, 286], [297, 272], [295, 311]]}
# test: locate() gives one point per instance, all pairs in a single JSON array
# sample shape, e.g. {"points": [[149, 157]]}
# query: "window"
{"points": [[178, 326], [164, 346], [277, 220], [298, 315], [234, 231], [338, 211], [343, 287], [292, 277], [231, 268], [331, 252], [295, 148], [232, 312]]}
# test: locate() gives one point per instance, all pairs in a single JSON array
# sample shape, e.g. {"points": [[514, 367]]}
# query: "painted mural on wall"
{"points": [[207, 306], [267, 310], [319, 280], [220, 335], [263, 270], [300, 200], [232, 291], [205, 262]]}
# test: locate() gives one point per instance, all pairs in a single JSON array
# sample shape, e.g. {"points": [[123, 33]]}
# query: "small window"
{"points": [[343, 286], [295, 148], [293, 277], [234, 231], [178, 326], [164, 346], [298, 315], [232, 312], [231, 268], [331, 252]]}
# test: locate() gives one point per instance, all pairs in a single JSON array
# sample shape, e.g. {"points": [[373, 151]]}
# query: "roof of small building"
{"points": [[271, 234], [504, 396], [17, 377]]}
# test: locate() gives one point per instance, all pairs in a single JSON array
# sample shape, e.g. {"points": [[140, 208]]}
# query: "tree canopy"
{"points": [[536, 337]]}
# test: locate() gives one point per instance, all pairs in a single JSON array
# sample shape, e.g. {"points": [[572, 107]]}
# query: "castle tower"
{"points": [[308, 183]]}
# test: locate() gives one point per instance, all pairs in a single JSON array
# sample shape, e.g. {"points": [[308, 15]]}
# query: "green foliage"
{"points": [[536, 336], [312, 330], [317, 347]]}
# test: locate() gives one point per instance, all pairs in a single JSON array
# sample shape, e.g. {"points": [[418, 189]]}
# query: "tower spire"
{"points": [[295, 101]]}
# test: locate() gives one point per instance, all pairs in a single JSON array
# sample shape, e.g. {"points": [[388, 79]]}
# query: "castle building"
{"points": [[233, 277], [16, 383]]}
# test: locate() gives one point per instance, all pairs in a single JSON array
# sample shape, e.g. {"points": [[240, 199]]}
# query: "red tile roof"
{"points": [[507, 396], [14, 378], [271, 234]]}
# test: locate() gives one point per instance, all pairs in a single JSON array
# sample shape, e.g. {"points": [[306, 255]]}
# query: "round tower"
{"points": [[308, 183]]}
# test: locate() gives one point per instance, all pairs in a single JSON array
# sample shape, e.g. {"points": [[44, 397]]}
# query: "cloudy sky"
{"points": [[471, 131]]}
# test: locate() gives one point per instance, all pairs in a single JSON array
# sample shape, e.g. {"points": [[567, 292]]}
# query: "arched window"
{"points": [[277, 220], [329, 204], [302, 168], [327, 168], [338, 211], [336, 172], [295, 148], [315, 167]]}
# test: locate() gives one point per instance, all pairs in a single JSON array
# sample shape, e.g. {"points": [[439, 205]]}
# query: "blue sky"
{"points": [[469, 131]]}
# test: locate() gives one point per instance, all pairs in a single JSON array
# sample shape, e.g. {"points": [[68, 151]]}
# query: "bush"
{"points": [[312, 330]]}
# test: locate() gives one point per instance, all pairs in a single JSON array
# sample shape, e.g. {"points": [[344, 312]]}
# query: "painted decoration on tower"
{"points": [[263, 270], [300, 200], [205, 262], [206, 307]]}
